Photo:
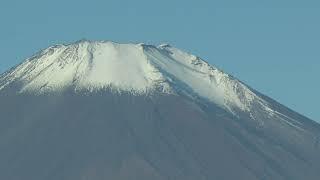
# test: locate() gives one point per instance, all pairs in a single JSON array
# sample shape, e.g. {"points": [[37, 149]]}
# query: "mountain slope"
{"points": [[104, 110]]}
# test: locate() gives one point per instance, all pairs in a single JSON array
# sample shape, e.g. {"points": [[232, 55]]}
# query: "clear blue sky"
{"points": [[274, 45]]}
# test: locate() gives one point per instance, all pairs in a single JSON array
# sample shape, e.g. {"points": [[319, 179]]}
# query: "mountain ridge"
{"points": [[96, 64], [82, 111]]}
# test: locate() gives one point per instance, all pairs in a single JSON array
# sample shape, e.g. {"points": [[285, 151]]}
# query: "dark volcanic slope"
{"points": [[111, 136]]}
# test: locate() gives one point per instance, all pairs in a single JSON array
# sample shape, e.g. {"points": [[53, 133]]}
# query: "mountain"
{"points": [[105, 110]]}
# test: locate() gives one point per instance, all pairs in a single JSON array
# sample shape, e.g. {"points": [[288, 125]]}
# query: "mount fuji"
{"points": [[104, 110]]}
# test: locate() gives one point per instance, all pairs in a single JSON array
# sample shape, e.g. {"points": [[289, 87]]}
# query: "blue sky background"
{"points": [[274, 46]]}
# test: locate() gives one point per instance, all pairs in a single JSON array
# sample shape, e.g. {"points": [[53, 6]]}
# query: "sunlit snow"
{"points": [[137, 68]]}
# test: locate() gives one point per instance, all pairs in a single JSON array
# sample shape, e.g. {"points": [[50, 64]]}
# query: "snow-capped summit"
{"points": [[137, 68], [105, 110]]}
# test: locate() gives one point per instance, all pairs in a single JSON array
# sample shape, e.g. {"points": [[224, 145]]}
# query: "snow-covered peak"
{"points": [[138, 68]]}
